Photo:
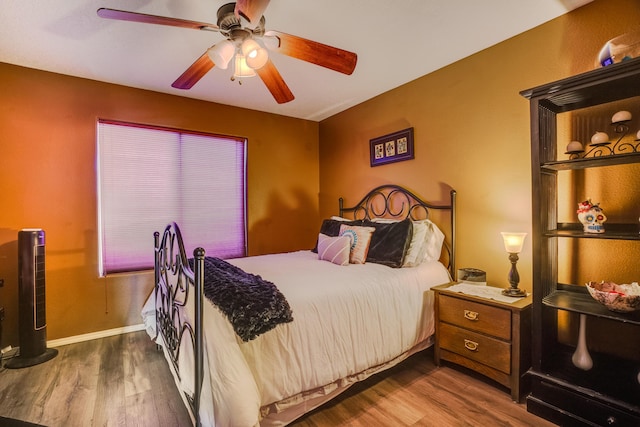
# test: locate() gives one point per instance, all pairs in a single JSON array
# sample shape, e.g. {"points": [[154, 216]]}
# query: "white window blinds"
{"points": [[149, 177]]}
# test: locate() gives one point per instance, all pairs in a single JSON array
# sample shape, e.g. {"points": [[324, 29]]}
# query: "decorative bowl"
{"points": [[619, 298]]}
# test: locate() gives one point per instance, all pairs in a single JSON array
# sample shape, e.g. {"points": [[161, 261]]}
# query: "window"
{"points": [[149, 177]]}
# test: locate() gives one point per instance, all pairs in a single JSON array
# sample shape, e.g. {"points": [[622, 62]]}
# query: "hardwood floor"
{"points": [[115, 381], [418, 393], [124, 381]]}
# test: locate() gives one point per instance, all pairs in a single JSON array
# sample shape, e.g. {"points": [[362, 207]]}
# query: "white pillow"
{"points": [[433, 242], [415, 253], [334, 249], [385, 220]]}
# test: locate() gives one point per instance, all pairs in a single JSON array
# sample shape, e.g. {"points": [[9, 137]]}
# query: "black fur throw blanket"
{"points": [[252, 305]]}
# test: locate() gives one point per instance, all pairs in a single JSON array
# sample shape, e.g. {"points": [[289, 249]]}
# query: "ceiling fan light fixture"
{"points": [[255, 55], [222, 53], [231, 25], [242, 69]]}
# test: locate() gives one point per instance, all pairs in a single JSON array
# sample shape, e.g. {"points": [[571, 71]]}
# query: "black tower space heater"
{"points": [[31, 298]]}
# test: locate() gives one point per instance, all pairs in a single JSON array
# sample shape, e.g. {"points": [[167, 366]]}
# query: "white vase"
{"points": [[581, 357]]}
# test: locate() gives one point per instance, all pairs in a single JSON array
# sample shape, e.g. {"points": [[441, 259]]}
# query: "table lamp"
{"points": [[513, 245]]}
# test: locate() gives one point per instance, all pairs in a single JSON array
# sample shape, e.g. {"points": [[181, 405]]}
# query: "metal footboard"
{"points": [[173, 275]]}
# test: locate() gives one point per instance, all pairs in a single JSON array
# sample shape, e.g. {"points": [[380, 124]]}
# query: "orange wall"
{"points": [[47, 176], [471, 132]]}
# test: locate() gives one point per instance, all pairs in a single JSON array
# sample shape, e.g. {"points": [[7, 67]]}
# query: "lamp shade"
{"points": [[242, 69], [254, 54], [222, 53], [513, 242]]}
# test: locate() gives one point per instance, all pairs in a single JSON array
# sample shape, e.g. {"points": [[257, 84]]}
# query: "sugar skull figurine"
{"points": [[591, 216]]}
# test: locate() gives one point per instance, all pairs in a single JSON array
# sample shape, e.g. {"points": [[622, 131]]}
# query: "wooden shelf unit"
{"points": [[609, 393]]}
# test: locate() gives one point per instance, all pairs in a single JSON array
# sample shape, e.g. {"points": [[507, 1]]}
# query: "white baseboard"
{"points": [[95, 335]]}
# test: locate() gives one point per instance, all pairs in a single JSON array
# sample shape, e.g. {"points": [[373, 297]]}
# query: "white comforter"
{"points": [[347, 320]]}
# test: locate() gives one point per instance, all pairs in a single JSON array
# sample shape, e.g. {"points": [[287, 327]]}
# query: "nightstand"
{"points": [[490, 337]]}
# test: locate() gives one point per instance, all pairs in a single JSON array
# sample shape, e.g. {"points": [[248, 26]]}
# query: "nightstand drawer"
{"points": [[481, 348], [478, 317]]}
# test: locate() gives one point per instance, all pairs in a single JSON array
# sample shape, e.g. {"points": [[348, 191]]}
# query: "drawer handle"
{"points": [[471, 315], [471, 345]]}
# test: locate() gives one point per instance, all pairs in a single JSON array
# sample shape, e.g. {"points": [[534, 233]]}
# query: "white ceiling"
{"points": [[396, 41]]}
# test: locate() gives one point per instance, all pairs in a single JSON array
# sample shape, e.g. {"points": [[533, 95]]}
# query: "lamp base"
{"points": [[514, 292]]}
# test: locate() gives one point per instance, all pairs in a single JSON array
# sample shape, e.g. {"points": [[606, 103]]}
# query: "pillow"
{"points": [[385, 220], [360, 240], [415, 252], [389, 242], [334, 249], [426, 242], [331, 228], [433, 242]]}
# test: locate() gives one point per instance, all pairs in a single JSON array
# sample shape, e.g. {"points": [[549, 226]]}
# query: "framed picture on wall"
{"points": [[395, 147]]}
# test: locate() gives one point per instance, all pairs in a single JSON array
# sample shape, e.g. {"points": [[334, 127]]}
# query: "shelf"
{"points": [[611, 380], [562, 391], [592, 162], [606, 84], [612, 231], [582, 303]]}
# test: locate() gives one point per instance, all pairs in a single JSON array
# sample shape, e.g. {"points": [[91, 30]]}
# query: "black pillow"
{"points": [[390, 242], [331, 228]]}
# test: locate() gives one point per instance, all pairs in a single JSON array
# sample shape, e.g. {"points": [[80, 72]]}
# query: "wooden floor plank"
{"points": [[110, 408], [140, 404], [125, 381], [71, 396]]}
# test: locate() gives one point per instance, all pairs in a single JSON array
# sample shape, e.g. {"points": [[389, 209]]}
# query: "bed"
{"points": [[317, 324]]}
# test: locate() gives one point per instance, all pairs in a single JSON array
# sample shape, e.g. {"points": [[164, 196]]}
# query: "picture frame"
{"points": [[394, 147]]}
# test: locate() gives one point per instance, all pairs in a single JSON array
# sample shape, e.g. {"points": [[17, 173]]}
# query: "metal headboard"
{"points": [[172, 278], [396, 202]]}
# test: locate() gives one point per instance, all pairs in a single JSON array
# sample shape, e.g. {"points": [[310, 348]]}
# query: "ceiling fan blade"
{"points": [[123, 15], [317, 53], [274, 82], [194, 73], [251, 10]]}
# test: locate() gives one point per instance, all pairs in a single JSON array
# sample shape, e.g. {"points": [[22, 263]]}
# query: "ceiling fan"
{"points": [[243, 25]]}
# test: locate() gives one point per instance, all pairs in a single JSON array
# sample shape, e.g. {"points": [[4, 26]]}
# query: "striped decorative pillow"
{"points": [[334, 249]]}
